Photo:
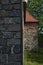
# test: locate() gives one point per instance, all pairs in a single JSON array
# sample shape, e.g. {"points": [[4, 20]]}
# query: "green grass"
{"points": [[33, 58]]}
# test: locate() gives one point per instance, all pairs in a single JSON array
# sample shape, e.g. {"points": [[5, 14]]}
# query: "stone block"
{"points": [[1, 35], [3, 13], [10, 20], [17, 34], [2, 28], [10, 27], [9, 13], [1, 63], [1, 20], [14, 13], [13, 41], [10, 7], [0, 6], [15, 1], [3, 58], [5, 1], [16, 20], [8, 50], [17, 49], [14, 57], [2, 41], [15, 27], [5, 49], [7, 34], [13, 63]]}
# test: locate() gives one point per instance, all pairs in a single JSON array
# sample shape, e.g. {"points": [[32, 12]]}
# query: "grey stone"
{"points": [[10, 7], [13, 41], [2, 41], [16, 20], [14, 57], [1, 63], [9, 13], [8, 50], [17, 34], [7, 35], [14, 13], [9, 64], [1, 20], [16, 6], [17, 49], [13, 63], [3, 13], [10, 27], [15, 1], [15, 27], [1, 35], [11, 20], [2, 28], [3, 58], [0, 6], [5, 50], [5, 1]]}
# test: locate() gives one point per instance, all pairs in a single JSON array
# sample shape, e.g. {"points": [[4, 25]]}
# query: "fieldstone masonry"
{"points": [[10, 32], [31, 36]]}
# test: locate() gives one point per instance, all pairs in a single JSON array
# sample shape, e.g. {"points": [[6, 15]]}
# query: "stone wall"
{"points": [[10, 32], [31, 36]]}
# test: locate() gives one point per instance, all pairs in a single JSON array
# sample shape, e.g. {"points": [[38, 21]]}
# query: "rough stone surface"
{"points": [[9, 13], [3, 58], [31, 36], [15, 1], [13, 41], [2, 41], [10, 20], [5, 1], [10, 32], [7, 35], [10, 7], [10, 27], [13, 57]]}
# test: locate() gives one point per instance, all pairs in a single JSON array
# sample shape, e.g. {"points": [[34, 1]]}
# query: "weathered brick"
{"points": [[13, 41]]}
